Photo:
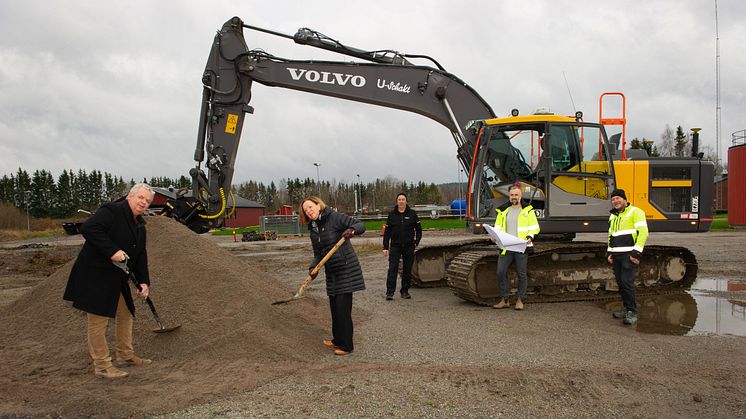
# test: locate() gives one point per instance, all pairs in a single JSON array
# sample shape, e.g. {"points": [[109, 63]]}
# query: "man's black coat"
{"points": [[95, 283]]}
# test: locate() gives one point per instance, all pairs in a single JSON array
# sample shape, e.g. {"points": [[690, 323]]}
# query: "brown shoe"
{"points": [[110, 373], [519, 304], [502, 304], [341, 352], [135, 361], [329, 344]]}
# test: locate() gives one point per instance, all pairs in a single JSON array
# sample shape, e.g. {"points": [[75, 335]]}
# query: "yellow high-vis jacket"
{"points": [[628, 231], [528, 225]]}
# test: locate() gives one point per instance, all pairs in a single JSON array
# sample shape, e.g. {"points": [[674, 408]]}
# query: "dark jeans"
{"points": [[406, 253], [503, 263], [341, 308], [624, 272]]}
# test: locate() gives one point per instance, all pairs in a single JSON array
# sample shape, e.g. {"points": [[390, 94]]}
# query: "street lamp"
{"points": [[318, 179], [359, 194]]}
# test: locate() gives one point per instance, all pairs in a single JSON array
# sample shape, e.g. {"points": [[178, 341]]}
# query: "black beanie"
{"points": [[618, 192]]}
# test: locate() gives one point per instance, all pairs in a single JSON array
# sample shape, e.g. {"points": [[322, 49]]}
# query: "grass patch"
{"points": [[720, 224], [427, 224]]}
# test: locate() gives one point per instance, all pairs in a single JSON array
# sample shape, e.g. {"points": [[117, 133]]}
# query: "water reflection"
{"points": [[702, 310], [674, 314]]}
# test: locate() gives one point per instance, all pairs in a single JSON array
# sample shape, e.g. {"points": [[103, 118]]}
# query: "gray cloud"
{"points": [[116, 87]]}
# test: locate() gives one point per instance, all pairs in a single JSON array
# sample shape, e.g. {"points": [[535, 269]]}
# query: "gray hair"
{"points": [[139, 186]]}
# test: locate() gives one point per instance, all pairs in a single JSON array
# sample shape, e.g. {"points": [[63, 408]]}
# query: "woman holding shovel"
{"points": [[343, 273]]}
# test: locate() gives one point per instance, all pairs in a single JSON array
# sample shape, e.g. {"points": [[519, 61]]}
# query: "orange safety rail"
{"points": [[614, 121]]}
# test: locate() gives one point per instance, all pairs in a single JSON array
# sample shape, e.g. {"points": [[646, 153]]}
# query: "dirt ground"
{"points": [[435, 355]]}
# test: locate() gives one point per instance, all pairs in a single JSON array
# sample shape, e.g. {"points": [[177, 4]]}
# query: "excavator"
{"points": [[566, 167]]}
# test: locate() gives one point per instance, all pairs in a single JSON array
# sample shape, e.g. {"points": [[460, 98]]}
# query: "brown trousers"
{"points": [[97, 347]]}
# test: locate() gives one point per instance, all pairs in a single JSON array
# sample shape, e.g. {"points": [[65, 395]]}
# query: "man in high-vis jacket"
{"points": [[628, 232], [521, 222]]}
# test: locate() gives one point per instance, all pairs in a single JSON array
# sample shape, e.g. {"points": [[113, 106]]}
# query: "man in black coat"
{"points": [[401, 235], [116, 232]]}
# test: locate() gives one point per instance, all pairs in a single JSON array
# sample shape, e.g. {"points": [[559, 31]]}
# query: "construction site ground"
{"points": [[236, 355]]}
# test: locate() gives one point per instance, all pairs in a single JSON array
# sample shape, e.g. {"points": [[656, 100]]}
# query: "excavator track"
{"points": [[431, 261], [576, 271]]}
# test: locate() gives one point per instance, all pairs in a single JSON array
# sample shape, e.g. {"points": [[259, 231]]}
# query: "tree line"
{"points": [[47, 196]]}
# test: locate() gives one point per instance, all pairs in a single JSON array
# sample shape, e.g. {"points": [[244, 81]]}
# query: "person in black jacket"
{"points": [[401, 235], [115, 232], [343, 272]]}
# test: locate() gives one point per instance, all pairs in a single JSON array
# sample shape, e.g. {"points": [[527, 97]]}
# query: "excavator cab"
{"points": [[550, 156]]}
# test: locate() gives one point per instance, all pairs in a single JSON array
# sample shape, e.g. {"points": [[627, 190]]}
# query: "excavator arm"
{"points": [[388, 79]]}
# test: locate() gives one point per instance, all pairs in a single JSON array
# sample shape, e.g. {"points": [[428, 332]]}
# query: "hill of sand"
{"points": [[232, 339]]}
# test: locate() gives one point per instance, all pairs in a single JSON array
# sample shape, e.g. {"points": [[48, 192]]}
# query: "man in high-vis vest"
{"points": [[628, 232], [521, 222]]}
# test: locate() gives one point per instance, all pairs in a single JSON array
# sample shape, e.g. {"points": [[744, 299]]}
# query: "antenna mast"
{"points": [[717, 87]]}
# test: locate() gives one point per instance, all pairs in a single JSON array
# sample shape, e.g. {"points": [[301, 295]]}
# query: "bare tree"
{"points": [[668, 145]]}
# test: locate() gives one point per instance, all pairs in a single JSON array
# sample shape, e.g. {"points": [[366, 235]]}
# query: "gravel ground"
{"points": [[432, 356], [438, 356]]}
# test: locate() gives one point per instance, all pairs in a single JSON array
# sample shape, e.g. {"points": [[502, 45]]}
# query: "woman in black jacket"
{"points": [[343, 273]]}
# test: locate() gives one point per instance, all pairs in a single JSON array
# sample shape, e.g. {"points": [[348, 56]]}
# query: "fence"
{"points": [[284, 225]]}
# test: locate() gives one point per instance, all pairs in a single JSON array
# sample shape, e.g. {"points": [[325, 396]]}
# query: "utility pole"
{"points": [[27, 195], [318, 179]]}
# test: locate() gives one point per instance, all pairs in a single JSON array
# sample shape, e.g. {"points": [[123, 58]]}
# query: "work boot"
{"points": [[329, 344], [405, 295], [518, 304], [620, 314], [135, 361], [110, 373], [630, 318], [389, 296], [341, 352], [502, 304]]}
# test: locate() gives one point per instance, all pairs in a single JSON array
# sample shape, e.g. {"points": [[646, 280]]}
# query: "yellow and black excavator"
{"points": [[566, 166]]}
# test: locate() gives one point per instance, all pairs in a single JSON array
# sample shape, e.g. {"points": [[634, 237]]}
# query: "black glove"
{"points": [[348, 233], [313, 274]]}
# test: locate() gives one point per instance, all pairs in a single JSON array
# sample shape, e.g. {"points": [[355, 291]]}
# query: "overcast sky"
{"points": [[115, 85]]}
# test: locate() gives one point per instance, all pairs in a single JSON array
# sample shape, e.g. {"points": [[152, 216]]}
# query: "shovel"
{"points": [[161, 329], [313, 273]]}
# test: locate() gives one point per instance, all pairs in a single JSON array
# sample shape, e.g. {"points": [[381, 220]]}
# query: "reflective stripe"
{"points": [[535, 226], [641, 224], [621, 249], [638, 248], [623, 232]]}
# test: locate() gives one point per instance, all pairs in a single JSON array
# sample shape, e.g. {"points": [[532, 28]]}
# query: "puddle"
{"points": [[702, 310]]}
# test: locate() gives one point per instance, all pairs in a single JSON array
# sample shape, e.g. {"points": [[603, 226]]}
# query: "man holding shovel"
{"points": [[343, 272], [115, 232]]}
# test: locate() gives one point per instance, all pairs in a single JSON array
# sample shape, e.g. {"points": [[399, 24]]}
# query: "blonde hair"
{"points": [[316, 200]]}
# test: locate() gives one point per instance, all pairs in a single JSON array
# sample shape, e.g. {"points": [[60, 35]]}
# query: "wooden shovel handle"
{"points": [[318, 267]]}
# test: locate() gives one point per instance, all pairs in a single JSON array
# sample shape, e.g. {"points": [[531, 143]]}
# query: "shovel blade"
{"points": [[295, 297], [166, 329]]}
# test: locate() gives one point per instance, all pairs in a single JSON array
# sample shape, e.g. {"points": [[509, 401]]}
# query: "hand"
{"points": [[313, 274], [635, 257], [144, 291], [529, 239], [348, 233], [119, 256], [385, 252], [634, 260], [610, 259]]}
